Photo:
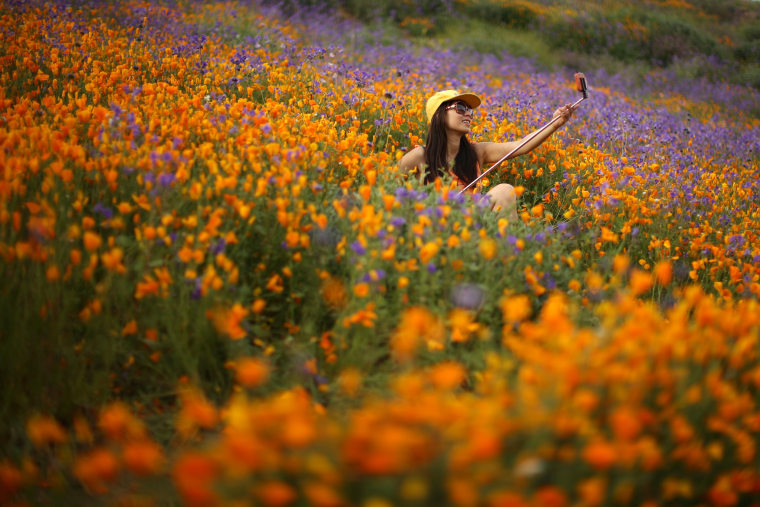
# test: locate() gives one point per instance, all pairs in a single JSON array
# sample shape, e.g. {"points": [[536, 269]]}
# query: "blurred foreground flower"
{"points": [[44, 430], [196, 413], [251, 371], [334, 292], [417, 327], [96, 469], [228, 320], [468, 296]]}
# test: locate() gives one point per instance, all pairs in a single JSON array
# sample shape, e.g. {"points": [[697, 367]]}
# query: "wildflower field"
{"points": [[217, 288]]}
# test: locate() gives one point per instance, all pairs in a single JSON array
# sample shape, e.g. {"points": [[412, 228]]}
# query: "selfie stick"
{"points": [[580, 85]]}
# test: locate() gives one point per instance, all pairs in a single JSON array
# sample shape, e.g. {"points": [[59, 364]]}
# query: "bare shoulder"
{"points": [[413, 158]]}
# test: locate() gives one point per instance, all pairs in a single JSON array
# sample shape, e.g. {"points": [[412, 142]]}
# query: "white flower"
{"points": [[530, 467]]}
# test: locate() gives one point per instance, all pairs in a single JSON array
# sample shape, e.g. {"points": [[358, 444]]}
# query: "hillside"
{"points": [[702, 38]]}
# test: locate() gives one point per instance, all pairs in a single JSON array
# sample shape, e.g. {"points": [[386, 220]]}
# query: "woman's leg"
{"points": [[504, 198]]}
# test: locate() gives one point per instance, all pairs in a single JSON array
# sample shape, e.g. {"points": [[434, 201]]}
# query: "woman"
{"points": [[449, 114]]}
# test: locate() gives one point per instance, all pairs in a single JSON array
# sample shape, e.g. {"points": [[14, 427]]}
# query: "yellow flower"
{"points": [[461, 324], [516, 308], [428, 251], [488, 248], [640, 281], [258, 305], [196, 412], [227, 320], [350, 381], [417, 326], [620, 263], [275, 283], [112, 260], [91, 241]]}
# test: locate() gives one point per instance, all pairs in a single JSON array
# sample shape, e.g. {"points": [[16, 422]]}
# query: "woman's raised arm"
{"points": [[493, 152]]}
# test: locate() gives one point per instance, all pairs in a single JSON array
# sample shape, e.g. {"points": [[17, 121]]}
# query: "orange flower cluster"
{"points": [[648, 407]]}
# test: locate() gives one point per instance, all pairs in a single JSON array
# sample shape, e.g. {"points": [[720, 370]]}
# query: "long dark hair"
{"points": [[466, 161]]}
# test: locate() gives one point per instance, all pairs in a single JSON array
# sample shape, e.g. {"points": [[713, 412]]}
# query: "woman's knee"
{"points": [[503, 196]]}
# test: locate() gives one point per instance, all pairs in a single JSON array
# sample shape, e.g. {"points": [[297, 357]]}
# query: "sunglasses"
{"points": [[461, 108]]}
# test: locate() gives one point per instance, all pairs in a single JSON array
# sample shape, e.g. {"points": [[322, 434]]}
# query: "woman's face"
{"points": [[458, 117]]}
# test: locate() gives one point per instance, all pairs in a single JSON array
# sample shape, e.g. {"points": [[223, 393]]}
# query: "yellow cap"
{"points": [[434, 102]]}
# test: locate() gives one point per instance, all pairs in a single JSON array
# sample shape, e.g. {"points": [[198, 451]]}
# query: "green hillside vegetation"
{"points": [[711, 38]]}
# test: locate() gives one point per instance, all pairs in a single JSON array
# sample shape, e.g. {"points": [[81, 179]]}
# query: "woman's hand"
{"points": [[564, 112]]}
